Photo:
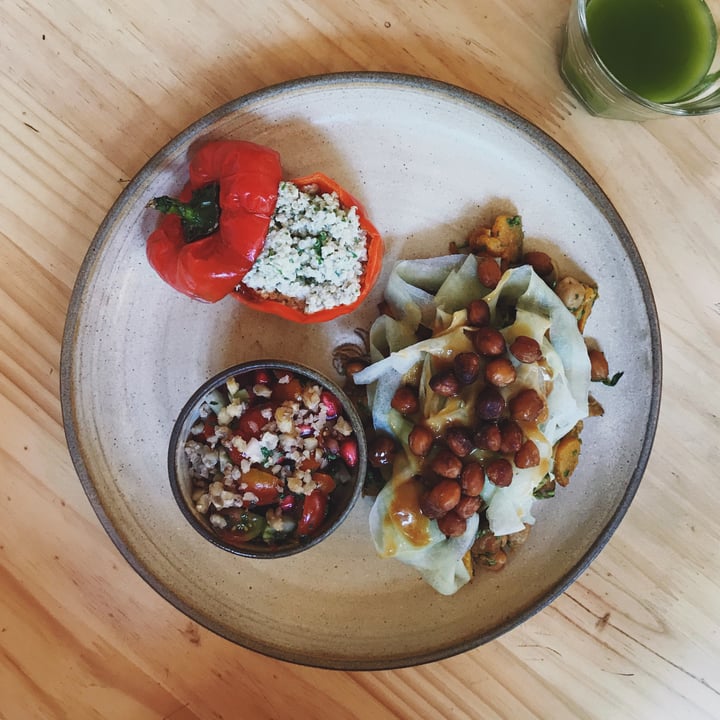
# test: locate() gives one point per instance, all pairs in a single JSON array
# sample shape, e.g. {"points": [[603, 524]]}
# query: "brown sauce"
{"points": [[405, 513]]}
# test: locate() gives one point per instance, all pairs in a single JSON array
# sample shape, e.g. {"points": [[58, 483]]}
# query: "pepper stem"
{"points": [[200, 216]]}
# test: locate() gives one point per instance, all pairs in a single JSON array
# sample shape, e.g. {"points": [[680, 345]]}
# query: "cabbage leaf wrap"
{"points": [[435, 293]]}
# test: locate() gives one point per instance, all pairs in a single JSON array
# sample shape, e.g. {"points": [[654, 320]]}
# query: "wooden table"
{"points": [[89, 92]]}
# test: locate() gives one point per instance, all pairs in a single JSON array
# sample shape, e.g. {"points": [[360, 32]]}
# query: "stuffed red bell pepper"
{"points": [[313, 253]]}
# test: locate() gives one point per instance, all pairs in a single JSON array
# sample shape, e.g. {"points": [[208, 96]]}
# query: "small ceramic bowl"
{"points": [[349, 480]]}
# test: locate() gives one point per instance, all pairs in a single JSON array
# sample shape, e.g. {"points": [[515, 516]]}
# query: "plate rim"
{"points": [[551, 148]]}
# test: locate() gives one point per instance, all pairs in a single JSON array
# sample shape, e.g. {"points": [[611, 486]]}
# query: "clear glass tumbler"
{"points": [[604, 95]]}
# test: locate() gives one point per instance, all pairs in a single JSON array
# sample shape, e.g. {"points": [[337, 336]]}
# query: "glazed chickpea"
{"points": [[452, 525], [526, 349], [489, 342], [488, 437], [405, 400], [540, 262], [428, 507], [511, 436], [500, 372], [420, 440], [459, 441], [472, 479], [468, 506], [446, 465], [445, 383], [599, 369], [488, 272], [489, 404], [445, 495], [526, 406], [381, 451], [527, 455], [478, 313], [467, 367], [499, 472]]}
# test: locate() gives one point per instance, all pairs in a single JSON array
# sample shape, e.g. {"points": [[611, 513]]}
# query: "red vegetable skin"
{"points": [[208, 269], [375, 250], [313, 513]]}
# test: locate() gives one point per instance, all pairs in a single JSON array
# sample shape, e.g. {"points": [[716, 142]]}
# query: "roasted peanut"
{"points": [[526, 349], [527, 455], [511, 436], [488, 272], [468, 506], [489, 404], [472, 479], [405, 400], [500, 372], [499, 472], [488, 437], [381, 451], [478, 313], [488, 341], [452, 525], [459, 441], [599, 369], [420, 440], [445, 383], [526, 406], [467, 367], [446, 464]]}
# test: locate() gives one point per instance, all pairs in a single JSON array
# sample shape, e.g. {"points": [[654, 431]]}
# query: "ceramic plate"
{"points": [[429, 161]]}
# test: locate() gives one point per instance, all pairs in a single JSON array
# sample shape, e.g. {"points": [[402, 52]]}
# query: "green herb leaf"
{"points": [[613, 381]]}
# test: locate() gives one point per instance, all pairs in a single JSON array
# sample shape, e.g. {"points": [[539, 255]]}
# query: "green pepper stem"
{"points": [[200, 216]]}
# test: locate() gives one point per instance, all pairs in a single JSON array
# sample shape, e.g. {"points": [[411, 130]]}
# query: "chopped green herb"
{"points": [[319, 243], [544, 493], [514, 221], [612, 382]]}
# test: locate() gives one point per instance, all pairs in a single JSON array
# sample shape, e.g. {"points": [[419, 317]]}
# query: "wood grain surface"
{"points": [[89, 91]]}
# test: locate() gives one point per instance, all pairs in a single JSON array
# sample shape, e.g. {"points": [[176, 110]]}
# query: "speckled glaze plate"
{"points": [[429, 161]]}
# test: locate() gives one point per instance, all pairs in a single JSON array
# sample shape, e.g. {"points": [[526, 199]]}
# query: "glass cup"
{"points": [[604, 95]]}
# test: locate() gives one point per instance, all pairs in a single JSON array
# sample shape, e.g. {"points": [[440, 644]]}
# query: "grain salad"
{"points": [[265, 454], [314, 252]]}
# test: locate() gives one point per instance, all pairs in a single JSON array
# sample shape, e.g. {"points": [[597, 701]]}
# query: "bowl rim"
{"points": [[178, 433]]}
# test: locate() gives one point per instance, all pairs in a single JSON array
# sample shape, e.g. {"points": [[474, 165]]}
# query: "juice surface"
{"points": [[660, 49]]}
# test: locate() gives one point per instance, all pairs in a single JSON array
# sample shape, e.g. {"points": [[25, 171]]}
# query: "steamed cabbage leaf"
{"points": [[434, 293]]}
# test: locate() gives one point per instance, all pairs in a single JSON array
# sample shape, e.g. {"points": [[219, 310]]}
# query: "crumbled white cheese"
{"points": [[313, 253]]}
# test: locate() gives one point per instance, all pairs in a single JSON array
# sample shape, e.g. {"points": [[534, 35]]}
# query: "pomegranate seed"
{"points": [[287, 503], [331, 403], [262, 377]]}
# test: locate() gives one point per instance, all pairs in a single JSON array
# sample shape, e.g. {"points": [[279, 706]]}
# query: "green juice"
{"points": [[660, 49]]}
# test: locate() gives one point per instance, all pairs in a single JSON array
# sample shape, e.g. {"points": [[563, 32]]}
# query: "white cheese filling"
{"points": [[314, 252]]}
